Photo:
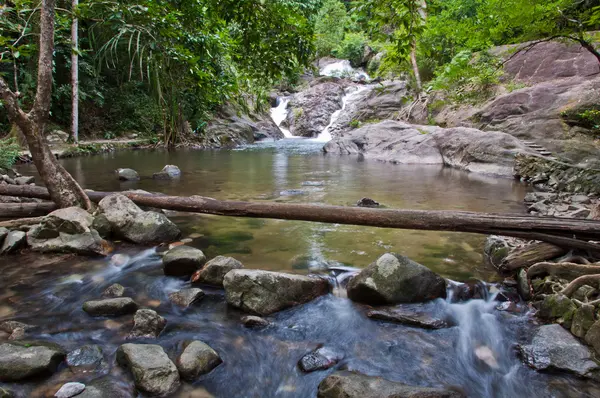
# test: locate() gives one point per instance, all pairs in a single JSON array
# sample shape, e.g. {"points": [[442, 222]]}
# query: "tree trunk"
{"points": [[563, 232], [529, 255], [74, 75], [415, 65], [63, 189]]}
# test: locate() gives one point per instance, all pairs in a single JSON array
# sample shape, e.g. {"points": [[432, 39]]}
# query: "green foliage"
{"points": [[329, 26], [588, 118], [352, 48], [9, 151], [355, 124]]}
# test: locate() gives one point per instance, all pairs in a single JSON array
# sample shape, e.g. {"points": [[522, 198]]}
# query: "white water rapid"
{"points": [[342, 68], [279, 113], [352, 93]]}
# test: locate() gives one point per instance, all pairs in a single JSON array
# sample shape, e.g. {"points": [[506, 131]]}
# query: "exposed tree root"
{"points": [[572, 287], [564, 270]]}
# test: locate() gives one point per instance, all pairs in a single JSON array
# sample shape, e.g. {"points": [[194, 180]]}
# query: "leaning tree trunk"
{"points": [[62, 187]]}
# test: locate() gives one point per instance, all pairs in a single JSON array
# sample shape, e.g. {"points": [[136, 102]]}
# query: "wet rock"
{"points": [[102, 225], [24, 180], [186, 297], [523, 285], [72, 220], [197, 358], [3, 233], [127, 175], [88, 244], [355, 385], [69, 390], [13, 241], [409, 317], [129, 222], [114, 290], [265, 292], [183, 261], [255, 322], [17, 334], [11, 326], [583, 319], [152, 370], [6, 393], [110, 307], [87, 357], [592, 337], [214, 271], [106, 387], [320, 359], [23, 360], [395, 279], [473, 289], [169, 172], [312, 108], [496, 249], [367, 202], [553, 348], [147, 324], [558, 307]]}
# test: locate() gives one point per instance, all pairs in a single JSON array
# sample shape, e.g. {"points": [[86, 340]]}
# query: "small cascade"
{"points": [[279, 114], [351, 93], [342, 68]]}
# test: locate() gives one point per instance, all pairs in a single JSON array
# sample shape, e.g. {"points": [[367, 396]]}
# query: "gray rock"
{"points": [[592, 337], [69, 390], [114, 290], [320, 359], [102, 225], [19, 361], [130, 222], [24, 180], [409, 317], [169, 172], [89, 243], [523, 285], [183, 261], [186, 297], [395, 279], [13, 241], [147, 324], [311, 109], [106, 387], [215, 270], [87, 357], [110, 307], [553, 348], [127, 175], [72, 220], [367, 202], [11, 326], [255, 322], [197, 358], [3, 233], [356, 385], [265, 292], [580, 199], [152, 370], [583, 319]]}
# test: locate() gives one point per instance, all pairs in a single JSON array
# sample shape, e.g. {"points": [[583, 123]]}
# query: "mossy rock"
{"points": [[558, 307]]}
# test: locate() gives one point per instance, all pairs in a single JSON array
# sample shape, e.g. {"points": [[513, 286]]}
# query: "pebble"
{"points": [[70, 390]]}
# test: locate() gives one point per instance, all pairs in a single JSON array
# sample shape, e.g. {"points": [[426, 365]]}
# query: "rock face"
{"points": [[183, 261], [311, 109], [169, 172], [356, 385], [395, 279], [186, 297], [231, 128], [110, 307], [554, 348], [214, 271], [127, 175], [147, 324], [467, 149], [129, 222], [197, 358], [13, 241], [152, 370], [265, 292], [23, 361]]}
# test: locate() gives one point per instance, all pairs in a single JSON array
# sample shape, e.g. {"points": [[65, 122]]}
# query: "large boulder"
{"points": [[152, 370], [127, 175], [555, 349], [183, 261], [356, 385], [395, 279], [44, 240], [311, 109], [215, 270], [197, 358], [13, 241], [25, 360], [71, 220], [265, 292], [147, 324], [110, 306], [169, 172], [130, 222]]}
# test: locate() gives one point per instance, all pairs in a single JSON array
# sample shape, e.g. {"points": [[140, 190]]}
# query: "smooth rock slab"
{"points": [[215, 270], [152, 370], [183, 261], [23, 361], [356, 385], [147, 324], [186, 297], [408, 317], [110, 306], [266, 292], [69, 390], [320, 359], [554, 348], [13, 241], [197, 358]]}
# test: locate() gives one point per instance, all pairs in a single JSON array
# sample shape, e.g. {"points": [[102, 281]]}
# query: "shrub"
{"points": [[9, 151], [352, 48], [329, 26]]}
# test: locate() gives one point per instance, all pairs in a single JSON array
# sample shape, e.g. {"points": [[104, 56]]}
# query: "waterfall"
{"points": [[342, 68], [351, 94], [279, 114]]}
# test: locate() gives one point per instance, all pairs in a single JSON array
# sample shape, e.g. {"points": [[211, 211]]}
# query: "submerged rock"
{"points": [[356, 385], [395, 279], [367, 202], [255, 322], [183, 261], [129, 222], [127, 175], [186, 297], [114, 290], [554, 348], [87, 357], [110, 307], [265, 292], [152, 370], [19, 361], [147, 324], [13, 241], [197, 358], [69, 390], [215, 270], [169, 172], [320, 359], [408, 317]]}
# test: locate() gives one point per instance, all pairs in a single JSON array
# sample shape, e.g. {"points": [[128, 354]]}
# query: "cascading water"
{"points": [[342, 68], [352, 93], [279, 114]]}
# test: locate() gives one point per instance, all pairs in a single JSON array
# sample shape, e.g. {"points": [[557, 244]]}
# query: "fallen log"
{"points": [[21, 222], [529, 255], [564, 232], [18, 210], [568, 271]]}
